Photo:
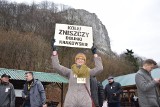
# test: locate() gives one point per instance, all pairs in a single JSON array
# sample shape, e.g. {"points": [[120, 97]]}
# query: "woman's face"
{"points": [[80, 61]]}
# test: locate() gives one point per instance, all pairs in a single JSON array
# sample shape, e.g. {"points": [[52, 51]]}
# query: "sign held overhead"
{"points": [[73, 36]]}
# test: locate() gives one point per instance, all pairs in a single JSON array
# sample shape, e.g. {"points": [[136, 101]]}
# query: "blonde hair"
{"points": [[80, 55]]}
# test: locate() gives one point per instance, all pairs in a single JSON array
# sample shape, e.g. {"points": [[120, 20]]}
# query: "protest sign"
{"points": [[73, 36]]}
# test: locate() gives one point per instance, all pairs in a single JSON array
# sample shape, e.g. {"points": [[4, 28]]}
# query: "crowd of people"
{"points": [[84, 90]]}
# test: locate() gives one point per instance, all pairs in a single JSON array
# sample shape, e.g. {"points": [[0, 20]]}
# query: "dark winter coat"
{"points": [[94, 90], [97, 92], [114, 87], [100, 94], [7, 95], [37, 94]]}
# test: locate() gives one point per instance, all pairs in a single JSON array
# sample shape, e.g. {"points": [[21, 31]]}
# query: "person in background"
{"points": [[94, 90], [33, 92], [100, 94], [112, 92], [147, 87], [97, 92], [134, 101], [7, 93]]}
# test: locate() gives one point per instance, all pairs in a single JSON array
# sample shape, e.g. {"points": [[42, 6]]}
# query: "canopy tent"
{"points": [[129, 79], [17, 78], [42, 76], [128, 83]]}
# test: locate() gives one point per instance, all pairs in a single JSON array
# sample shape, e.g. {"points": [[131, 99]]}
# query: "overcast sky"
{"points": [[131, 24]]}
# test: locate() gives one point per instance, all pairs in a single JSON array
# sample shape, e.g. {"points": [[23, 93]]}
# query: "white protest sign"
{"points": [[73, 36]]}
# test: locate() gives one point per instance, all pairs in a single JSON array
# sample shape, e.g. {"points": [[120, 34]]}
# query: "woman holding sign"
{"points": [[78, 94]]}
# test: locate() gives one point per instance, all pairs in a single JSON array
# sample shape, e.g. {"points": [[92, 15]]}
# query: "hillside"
{"points": [[26, 32]]}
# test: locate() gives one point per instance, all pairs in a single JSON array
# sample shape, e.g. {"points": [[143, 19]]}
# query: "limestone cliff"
{"points": [[83, 17]]}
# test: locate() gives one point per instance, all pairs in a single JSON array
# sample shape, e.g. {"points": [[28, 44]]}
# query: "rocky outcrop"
{"points": [[83, 17]]}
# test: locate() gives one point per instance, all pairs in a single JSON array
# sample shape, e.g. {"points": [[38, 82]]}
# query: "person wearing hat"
{"points": [[112, 92], [78, 94], [7, 93]]}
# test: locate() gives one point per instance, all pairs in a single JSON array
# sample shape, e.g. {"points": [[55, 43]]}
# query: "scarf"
{"points": [[81, 72], [29, 84]]}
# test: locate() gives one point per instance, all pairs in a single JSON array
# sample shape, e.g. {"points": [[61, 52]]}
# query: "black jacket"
{"points": [[97, 92], [112, 88], [94, 90], [100, 94]]}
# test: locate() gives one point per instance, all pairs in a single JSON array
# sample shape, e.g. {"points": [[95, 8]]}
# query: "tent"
{"points": [[17, 78], [129, 79]]}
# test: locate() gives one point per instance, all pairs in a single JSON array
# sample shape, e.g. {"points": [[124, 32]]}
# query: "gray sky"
{"points": [[131, 24]]}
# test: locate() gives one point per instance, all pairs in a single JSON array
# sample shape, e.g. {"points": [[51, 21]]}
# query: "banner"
{"points": [[73, 36]]}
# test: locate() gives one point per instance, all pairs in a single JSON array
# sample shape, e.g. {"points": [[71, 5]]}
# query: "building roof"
{"points": [[129, 79], [42, 76]]}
